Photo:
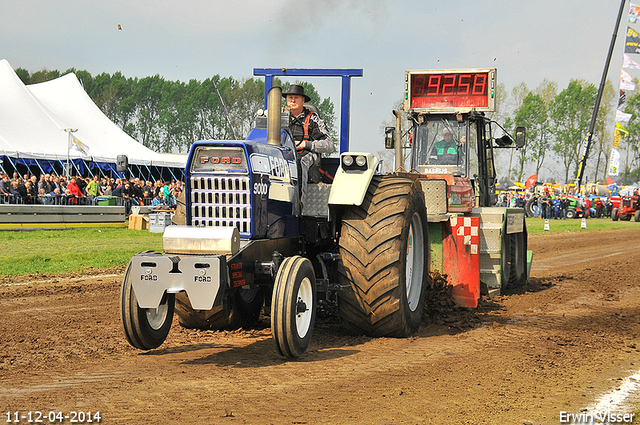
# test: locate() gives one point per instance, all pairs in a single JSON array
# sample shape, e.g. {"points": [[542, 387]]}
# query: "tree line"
{"points": [[557, 123], [168, 116]]}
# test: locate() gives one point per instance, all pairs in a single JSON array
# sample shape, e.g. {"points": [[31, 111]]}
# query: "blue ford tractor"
{"points": [[360, 246]]}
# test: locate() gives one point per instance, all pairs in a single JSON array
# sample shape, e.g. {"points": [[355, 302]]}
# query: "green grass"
{"points": [[58, 251], [76, 250], [536, 225]]}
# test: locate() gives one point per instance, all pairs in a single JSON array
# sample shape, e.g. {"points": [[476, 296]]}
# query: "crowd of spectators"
{"points": [[50, 189], [551, 205]]}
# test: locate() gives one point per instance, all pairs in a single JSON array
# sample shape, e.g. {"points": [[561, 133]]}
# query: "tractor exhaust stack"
{"points": [[274, 114]]}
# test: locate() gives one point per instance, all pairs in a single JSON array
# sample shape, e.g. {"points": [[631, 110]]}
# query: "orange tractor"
{"points": [[628, 208]]}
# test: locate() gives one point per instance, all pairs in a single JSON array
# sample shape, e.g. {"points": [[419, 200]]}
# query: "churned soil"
{"points": [[570, 335]]}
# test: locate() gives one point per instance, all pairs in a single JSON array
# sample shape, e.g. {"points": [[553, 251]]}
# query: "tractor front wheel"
{"points": [[145, 328], [614, 214], [293, 306]]}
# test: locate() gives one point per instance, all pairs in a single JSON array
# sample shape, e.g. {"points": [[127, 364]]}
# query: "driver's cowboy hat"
{"points": [[297, 90]]}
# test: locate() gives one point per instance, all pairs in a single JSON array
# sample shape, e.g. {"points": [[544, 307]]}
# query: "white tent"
{"points": [[33, 120], [25, 124]]}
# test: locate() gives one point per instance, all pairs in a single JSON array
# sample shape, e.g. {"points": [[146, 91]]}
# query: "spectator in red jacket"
{"points": [[73, 192]]}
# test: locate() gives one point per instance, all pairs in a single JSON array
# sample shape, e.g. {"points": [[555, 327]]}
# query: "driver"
{"points": [[446, 150]]}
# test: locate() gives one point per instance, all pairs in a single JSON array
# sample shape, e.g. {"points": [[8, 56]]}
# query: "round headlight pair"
{"points": [[347, 160]]}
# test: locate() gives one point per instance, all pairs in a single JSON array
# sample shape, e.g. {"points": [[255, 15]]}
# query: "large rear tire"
{"points": [[529, 206], [293, 306], [245, 304], [245, 312], [614, 214], [180, 214], [145, 328], [636, 216], [384, 260]]}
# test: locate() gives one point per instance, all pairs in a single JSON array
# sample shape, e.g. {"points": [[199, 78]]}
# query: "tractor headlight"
{"points": [[347, 160], [354, 162]]}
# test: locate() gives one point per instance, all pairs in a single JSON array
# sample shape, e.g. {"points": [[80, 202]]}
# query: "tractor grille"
{"points": [[221, 201], [626, 203]]}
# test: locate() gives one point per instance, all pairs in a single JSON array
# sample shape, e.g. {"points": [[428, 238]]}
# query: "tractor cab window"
{"points": [[441, 143]]}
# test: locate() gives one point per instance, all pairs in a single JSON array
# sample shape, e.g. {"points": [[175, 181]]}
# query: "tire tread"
{"points": [[370, 250]]}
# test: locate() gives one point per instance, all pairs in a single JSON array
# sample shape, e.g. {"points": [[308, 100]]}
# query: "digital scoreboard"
{"points": [[459, 90]]}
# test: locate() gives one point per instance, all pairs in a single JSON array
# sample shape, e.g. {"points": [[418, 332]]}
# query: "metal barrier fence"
{"points": [[35, 216]]}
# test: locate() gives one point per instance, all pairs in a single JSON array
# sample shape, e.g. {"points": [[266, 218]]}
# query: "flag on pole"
{"points": [[626, 82], [632, 44], [616, 138], [634, 13], [617, 134], [622, 99], [623, 118], [531, 181], [76, 144], [621, 128], [628, 63], [614, 162]]}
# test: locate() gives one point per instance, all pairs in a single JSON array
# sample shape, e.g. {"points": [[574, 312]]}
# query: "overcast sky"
{"points": [[527, 40]]}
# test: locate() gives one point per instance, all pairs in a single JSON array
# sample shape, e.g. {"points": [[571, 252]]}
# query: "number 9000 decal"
{"points": [[260, 188]]}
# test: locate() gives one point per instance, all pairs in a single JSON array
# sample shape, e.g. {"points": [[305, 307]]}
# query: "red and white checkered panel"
{"points": [[467, 228], [461, 252]]}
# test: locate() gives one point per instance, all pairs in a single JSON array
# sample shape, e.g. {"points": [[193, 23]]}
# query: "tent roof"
{"points": [[33, 119], [25, 124]]}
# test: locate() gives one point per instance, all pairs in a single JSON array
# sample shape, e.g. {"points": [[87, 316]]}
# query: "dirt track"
{"points": [[570, 336]]}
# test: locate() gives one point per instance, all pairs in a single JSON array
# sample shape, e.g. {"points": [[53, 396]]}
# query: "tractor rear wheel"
{"points": [[636, 216], [614, 214], [293, 306], [518, 266], [384, 260], [505, 260], [245, 304], [145, 328], [244, 313], [529, 207], [180, 215]]}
